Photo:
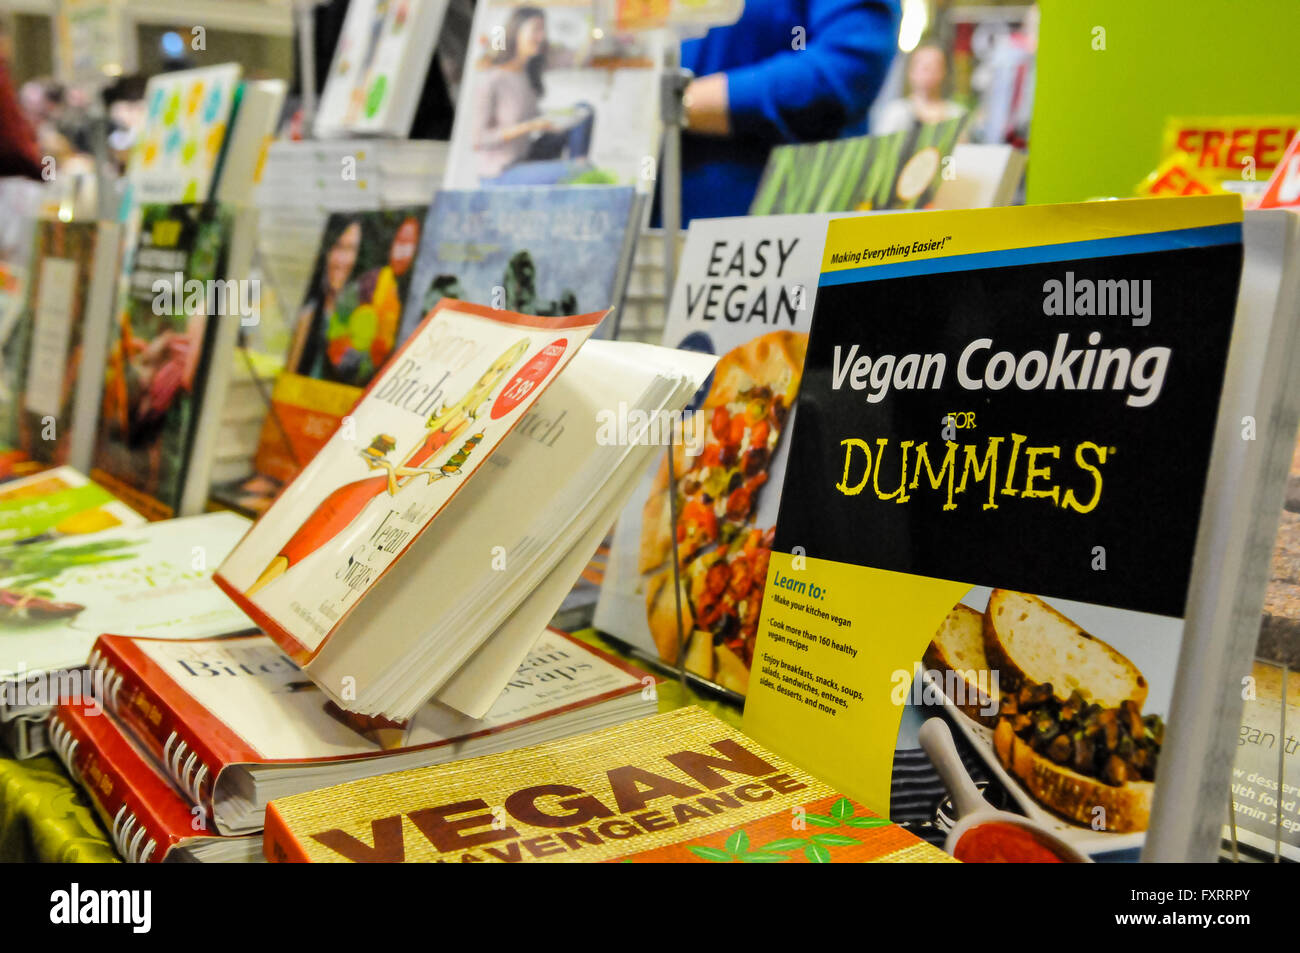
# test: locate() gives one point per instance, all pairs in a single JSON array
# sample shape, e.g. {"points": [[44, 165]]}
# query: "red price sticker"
{"points": [[529, 379]]}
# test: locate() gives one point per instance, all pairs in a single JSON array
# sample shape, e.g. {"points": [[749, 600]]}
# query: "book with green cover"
{"points": [[901, 170], [58, 595], [169, 356], [58, 503]]}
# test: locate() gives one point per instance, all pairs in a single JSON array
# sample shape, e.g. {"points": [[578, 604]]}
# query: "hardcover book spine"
{"points": [[157, 725], [136, 835]]}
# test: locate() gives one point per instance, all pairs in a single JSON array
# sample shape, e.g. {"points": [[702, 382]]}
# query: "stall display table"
{"points": [[46, 818]]}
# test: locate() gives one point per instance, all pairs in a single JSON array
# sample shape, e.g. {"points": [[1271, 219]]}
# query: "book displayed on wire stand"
{"points": [[1001, 447]]}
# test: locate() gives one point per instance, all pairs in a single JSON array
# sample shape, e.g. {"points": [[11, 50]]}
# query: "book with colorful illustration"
{"points": [[69, 311], [187, 117], [349, 320], [169, 356], [383, 53], [58, 503], [341, 568], [58, 594], [236, 723], [745, 291], [146, 817], [900, 170], [682, 787], [547, 251], [1014, 581]]}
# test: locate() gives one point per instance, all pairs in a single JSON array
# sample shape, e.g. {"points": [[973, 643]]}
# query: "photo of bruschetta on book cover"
{"points": [[1068, 728]]}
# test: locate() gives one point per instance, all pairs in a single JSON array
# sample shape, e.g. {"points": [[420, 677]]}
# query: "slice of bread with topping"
{"points": [[958, 647], [1124, 808], [1027, 640]]}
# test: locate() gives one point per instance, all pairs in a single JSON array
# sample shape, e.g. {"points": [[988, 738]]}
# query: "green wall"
{"points": [[1099, 114]]}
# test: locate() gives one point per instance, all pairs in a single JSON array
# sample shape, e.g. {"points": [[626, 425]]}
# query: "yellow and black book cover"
{"points": [[990, 514], [681, 787]]}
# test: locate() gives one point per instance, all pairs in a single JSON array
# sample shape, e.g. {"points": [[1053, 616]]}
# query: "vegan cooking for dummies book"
{"points": [[990, 517]]}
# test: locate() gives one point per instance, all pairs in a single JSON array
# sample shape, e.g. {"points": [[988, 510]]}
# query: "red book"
{"points": [[148, 819], [1284, 187], [233, 721]]}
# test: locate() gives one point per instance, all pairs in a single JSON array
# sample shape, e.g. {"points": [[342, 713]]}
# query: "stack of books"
{"points": [[199, 737]]}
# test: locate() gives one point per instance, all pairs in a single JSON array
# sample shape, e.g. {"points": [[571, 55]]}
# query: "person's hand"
{"points": [[530, 127], [706, 104]]}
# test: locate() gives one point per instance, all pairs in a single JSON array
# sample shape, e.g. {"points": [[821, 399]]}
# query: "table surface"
{"points": [[46, 818]]}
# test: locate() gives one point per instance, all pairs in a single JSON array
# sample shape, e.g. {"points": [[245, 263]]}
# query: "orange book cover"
{"points": [[682, 786]]}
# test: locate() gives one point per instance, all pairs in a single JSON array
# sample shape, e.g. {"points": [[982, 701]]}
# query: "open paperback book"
{"points": [[147, 818], [382, 580], [235, 723], [59, 594], [1024, 512]]}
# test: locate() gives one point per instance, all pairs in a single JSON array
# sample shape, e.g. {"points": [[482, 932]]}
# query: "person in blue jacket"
{"points": [[786, 71]]}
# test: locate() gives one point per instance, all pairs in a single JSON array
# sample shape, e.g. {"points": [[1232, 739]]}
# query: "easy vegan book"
{"points": [[1020, 501], [745, 291]]}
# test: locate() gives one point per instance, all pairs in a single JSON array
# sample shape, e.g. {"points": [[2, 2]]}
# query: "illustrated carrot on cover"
{"points": [[343, 505]]}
